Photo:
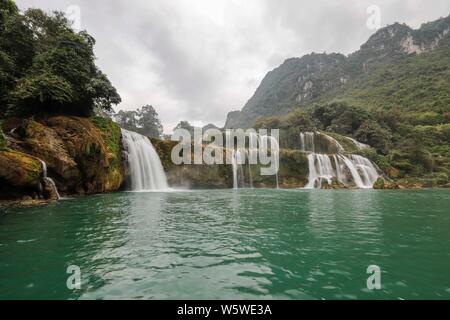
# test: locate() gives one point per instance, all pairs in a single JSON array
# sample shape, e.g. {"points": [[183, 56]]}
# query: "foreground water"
{"points": [[225, 244]]}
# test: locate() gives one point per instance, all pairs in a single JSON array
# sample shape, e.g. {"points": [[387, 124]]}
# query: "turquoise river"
{"points": [[230, 244]]}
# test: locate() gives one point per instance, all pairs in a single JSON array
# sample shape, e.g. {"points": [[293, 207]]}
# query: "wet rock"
{"points": [[382, 183], [49, 190], [83, 155], [19, 171]]}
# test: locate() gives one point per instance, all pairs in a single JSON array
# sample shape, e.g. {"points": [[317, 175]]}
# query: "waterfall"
{"points": [[250, 177], [320, 169], [274, 149], [146, 170], [333, 142], [307, 141], [346, 169], [47, 179], [358, 144], [237, 160], [252, 153], [240, 155]]}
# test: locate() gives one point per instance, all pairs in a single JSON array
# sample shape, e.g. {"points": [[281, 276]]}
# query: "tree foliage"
{"points": [[144, 120], [186, 126], [47, 67]]}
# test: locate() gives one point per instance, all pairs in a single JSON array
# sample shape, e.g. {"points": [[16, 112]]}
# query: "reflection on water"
{"points": [[228, 244]]}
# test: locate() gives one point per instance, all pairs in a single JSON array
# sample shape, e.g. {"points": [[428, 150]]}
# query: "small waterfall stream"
{"points": [[237, 160], [47, 179], [350, 170], [146, 170]]}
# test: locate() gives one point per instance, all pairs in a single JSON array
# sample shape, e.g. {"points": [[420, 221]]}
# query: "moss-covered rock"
{"points": [[83, 155], [164, 150], [382, 183], [293, 171], [20, 175], [335, 184], [112, 136]]}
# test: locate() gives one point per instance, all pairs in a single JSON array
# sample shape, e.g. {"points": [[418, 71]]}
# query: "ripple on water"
{"points": [[295, 244]]}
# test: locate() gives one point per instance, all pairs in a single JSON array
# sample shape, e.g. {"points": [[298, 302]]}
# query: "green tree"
{"points": [[339, 117], [127, 120], [148, 122], [371, 133], [144, 120], [47, 67], [185, 125]]}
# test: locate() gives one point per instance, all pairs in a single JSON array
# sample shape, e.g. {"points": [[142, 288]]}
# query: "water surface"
{"points": [[226, 244]]}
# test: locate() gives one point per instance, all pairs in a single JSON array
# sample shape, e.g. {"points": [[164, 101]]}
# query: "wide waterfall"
{"points": [[146, 170], [241, 155], [332, 164]]}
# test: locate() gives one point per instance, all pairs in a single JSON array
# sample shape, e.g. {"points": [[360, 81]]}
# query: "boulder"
{"points": [[49, 190], [382, 183], [20, 174]]}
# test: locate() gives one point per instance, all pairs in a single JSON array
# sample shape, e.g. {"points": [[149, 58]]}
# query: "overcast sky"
{"points": [[197, 60]]}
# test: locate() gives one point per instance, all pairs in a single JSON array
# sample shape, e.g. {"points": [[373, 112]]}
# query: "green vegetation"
{"points": [[144, 120], [47, 67], [2, 139], [400, 147], [111, 134], [394, 101]]}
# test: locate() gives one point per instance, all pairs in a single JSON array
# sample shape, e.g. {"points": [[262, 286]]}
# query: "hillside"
{"points": [[397, 66]]}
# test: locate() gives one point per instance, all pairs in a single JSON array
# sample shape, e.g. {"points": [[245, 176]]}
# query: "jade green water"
{"points": [[225, 244]]}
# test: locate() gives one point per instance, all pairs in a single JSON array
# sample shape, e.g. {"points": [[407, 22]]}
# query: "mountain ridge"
{"points": [[302, 81]]}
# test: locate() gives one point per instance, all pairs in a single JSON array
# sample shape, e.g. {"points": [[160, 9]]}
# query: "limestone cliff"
{"points": [[293, 171], [83, 155]]}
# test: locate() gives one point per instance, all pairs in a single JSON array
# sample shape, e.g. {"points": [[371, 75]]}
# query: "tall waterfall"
{"points": [[146, 170], [350, 170]]}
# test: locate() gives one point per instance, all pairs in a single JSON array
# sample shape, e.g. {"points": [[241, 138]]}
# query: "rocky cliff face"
{"points": [[82, 155], [293, 171], [301, 81], [20, 175]]}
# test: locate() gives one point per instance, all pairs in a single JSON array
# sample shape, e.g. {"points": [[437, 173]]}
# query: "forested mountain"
{"points": [[393, 94], [397, 66]]}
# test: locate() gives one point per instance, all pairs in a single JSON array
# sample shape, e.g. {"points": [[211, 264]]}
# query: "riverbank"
{"points": [[44, 157]]}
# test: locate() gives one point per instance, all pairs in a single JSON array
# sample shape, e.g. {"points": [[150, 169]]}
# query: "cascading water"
{"points": [[239, 156], [307, 141], [146, 170], [274, 148], [48, 179], [250, 177], [346, 169], [237, 160], [358, 144], [252, 153]]}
